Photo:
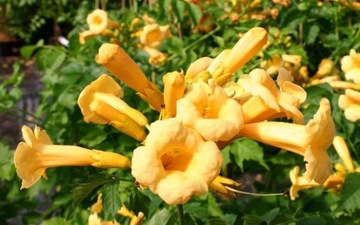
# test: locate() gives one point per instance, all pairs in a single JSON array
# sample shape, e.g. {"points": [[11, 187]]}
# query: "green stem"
{"points": [[196, 42], [181, 214]]}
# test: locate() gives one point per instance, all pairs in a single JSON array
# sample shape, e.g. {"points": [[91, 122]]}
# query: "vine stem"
{"points": [[197, 41], [181, 214]]}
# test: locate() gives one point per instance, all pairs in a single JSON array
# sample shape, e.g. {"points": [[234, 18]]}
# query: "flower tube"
{"points": [[38, 153], [100, 103], [344, 153], [115, 60], [175, 162], [174, 87], [310, 140], [246, 48]]}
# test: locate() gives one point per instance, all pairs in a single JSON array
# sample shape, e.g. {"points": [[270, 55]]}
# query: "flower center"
{"points": [[176, 159]]}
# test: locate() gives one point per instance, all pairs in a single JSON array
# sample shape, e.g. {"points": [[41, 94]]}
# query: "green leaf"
{"points": [[311, 220], [269, 216], [160, 218], [179, 9], [7, 169], [55, 221], [111, 199], [139, 202], [27, 51], [83, 190], [216, 221], [252, 220], [312, 35], [220, 41], [49, 59], [350, 193], [247, 149], [195, 13]]}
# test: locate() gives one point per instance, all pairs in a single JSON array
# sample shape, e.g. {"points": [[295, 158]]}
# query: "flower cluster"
{"points": [[200, 112]]}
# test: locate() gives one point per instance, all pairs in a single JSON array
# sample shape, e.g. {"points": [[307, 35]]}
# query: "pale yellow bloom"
{"points": [[272, 65], [175, 162], [268, 101], [207, 109], [310, 140], [37, 153], [335, 82], [333, 182], [299, 183], [350, 103], [325, 68], [97, 21], [344, 153], [174, 88], [156, 57], [350, 64], [115, 60], [231, 60], [135, 220], [154, 35], [93, 219], [100, 103], [219, 186], [97, 206]]}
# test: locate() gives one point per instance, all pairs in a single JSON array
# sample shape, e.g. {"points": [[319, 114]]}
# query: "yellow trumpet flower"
{"points": [[175, 162], [269, 102], [115, 60], [207, 109], [38, 153], [154, 35], [344, 153], [174, 87], [100, 103], [135, 219], [310, 140], [231, 60], [350, 103], [219, 186], [350, 64]]}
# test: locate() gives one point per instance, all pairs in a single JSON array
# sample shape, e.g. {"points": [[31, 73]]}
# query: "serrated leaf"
{"points": [[216, 221], [48, 59], [139, 202], [160, 218], [82, 190], [111, 199], [55, 221], [252, 220], [27, 51], [247, 149], [311, 220], [7, 169], [350, 193], [195, 13], [312, 35]]}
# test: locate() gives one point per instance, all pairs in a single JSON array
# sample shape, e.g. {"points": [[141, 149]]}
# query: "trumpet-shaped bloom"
{"points": [[333, 182], [37, 153], [230, 60], [156, 57], [350, 103], [100, 103], [310, 140], [350, 64], [98, 23], [219, 185], [154, 35], [175, 162], [344, 153], [115, 60], [135, 219], [207, 108], [174, 87], [267, 101]]}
